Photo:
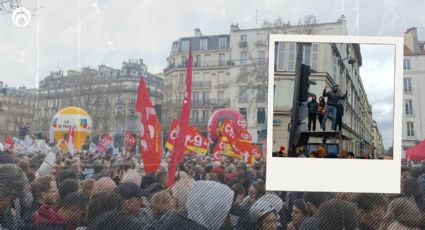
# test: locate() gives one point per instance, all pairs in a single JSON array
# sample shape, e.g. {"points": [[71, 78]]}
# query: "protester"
{"points": [[372, 210], [312, 107], [337, 214], [321, 110], [132, 197], [299, 214], [331, 105], [264, 212]]}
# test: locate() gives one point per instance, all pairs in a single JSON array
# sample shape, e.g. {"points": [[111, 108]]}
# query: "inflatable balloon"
{"points": [[71, 117], [218, 117]]}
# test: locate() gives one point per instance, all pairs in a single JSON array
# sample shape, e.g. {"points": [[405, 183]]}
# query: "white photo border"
{"points": [[336, 175]]}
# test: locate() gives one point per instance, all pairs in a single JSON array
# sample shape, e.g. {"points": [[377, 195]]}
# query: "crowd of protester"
{"points": [[107, 191]]}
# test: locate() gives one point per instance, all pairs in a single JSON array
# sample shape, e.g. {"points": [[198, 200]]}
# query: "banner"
{"points": [[194, 140], [178, 152], [104, 143], [130, 141], [150, 130], [70, 140]]}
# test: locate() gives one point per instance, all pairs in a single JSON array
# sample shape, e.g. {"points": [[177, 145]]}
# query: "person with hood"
{"points": [[264, 213], [331, 105], [12, 185], [313, 107], [69, 215]]}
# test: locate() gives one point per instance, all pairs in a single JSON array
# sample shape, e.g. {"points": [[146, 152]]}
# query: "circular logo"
{"points": [[21, 17]]}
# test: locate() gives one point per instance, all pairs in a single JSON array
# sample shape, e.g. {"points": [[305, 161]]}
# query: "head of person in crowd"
{"points": [[299, 213], [12, 183], [87, 187], [338, 214], [45, 190], [255, 191], [104, 184], [162, 202], [350, 155], [372, 209], [162, 178], [132, 176], [264, 212], [209, 203], [67, 174], [347, 196], [115, 219], [68, 186], [313, 200], [103, 202], [240, 193], [70, 214], [180, 190], [405, 214], [147, 180], [132, 196]]}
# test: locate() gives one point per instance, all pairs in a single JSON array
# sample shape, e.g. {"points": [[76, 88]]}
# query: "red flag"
{"points": [[150, 130], [196, 142], [172, 136], [104, 143], [130, 141], [256, 152], [178, 152], [8, 143]]}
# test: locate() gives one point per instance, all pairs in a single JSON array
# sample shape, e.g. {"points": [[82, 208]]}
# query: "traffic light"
{"points": [[305, 83]]}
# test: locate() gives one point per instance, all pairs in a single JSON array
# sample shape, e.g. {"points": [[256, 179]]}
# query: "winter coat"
{"points": [[312, 107], [174, 221], [46, 217], [333, 98]]}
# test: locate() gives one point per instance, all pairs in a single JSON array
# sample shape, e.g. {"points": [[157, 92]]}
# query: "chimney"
{"points": [[198, 32], [411, 40]]}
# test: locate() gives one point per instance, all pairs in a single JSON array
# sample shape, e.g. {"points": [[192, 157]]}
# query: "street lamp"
{"points": [[350, 60]]}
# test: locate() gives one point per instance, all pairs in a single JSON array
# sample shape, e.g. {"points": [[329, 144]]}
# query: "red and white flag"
{"points": [[150, 130], [104, 143], [70, 140], [178, 152], [130, 141]]}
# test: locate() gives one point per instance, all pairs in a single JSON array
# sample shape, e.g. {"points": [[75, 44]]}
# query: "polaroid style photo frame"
{"points": [[298, 169]]}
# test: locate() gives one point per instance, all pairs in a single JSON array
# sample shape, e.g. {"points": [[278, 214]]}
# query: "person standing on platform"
{"points": [[312, 113], [331, 104], [321, 110]]}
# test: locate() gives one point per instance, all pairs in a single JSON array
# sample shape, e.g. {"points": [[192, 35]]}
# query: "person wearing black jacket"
{"points": [[339, 114], [312, 106], [331, 105]]}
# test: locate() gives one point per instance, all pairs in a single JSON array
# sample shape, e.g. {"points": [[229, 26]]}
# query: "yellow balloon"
{"points": [[71, 117]]}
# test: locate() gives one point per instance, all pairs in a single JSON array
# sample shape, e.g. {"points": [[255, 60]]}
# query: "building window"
{"points": [[185, 45], [195, 96], [197, 61], [243, 94], [408, 105], [244, 112], [220, 95], [406, 64], [205, 116], [261, 115], [407, 83], [195, 115], [314, 56], [261, 94], [183, 61], [221, 59], [222, 43], [261, 56], [291, 57], [134, 72], [182, 78], [243, 38], [205, 97], [410, 129], [204, 44], [306, 55], [244, 58], [207, 59]]}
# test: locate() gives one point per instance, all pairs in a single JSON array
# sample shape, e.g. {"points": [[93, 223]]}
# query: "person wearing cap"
{"points": [[132, 196], [264, 212], [331, 104], [281, 152]]}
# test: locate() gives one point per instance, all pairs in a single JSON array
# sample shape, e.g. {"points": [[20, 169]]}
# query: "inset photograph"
{"points": [[333, 100]]}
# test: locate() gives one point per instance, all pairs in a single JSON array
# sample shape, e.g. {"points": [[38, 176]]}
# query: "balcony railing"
{"points": [[201, 84], [219, 101], [243, 44]]}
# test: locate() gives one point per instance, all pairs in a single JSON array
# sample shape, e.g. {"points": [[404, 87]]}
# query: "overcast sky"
{"points": [[377, 74], [90, 32]]}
